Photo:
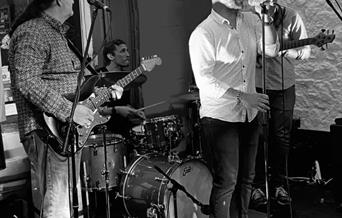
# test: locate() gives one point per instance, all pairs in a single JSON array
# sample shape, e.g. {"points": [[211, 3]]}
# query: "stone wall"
{"points": [[319, 79]]}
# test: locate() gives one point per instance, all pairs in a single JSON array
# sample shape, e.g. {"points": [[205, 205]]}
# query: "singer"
{"points": [[43, 69], [223, 58]]}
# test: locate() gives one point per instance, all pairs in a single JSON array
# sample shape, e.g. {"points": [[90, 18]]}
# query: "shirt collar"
{"points": [[63, 28], [221, 20]]}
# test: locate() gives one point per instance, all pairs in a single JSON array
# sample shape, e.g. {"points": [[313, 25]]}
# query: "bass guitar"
{"points": [[57, 130], [319, 40]]}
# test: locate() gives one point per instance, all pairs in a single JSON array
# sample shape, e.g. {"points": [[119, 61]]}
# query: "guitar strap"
{"points": [[79, 55], [279, 16]]}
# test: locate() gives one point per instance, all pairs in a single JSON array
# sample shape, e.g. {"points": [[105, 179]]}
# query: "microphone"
{"points": [[99, 4]]}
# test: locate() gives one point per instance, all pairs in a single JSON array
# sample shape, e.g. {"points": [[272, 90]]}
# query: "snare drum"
{"points": [[158, 134], [93, 158], [146, 192]]}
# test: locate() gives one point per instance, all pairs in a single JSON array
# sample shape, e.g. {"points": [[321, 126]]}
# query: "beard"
{"points": [[232, 4]]}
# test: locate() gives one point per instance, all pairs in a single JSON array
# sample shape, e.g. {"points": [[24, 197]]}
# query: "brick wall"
{"points": [[319, 79]]}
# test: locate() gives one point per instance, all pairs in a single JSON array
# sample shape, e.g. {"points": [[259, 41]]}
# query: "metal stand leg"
{"points": [[105, 173]]}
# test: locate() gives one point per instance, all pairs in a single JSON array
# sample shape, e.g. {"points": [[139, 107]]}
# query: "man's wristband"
{"points": [[238, 97]]}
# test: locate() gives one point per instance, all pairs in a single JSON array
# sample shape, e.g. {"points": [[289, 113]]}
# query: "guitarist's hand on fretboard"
{"points": [[116, 92]]}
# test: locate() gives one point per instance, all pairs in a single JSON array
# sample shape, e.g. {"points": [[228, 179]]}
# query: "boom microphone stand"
{"points": [[70, 122]]}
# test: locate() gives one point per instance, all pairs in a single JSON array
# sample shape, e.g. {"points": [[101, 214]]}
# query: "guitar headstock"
{"points": [[148, 63], [323, 38]]}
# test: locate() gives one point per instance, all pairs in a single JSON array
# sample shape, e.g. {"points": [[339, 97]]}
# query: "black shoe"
{"points": [[339, 208], [258, 197], [281, 196]]}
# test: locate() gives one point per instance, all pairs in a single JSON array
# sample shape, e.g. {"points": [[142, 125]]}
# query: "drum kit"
{"points": [[152, 181]]}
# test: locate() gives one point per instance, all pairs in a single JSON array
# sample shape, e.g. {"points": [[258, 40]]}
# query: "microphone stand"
{"points": [[71, 125], [265, 115], [175, 187]]}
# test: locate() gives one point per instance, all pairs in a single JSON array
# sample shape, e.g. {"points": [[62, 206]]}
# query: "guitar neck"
{"points": [[104, 95], [130, 77], [297, 43]]}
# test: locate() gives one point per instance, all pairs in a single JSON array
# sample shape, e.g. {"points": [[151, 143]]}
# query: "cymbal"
{"points": [[190, 96]]}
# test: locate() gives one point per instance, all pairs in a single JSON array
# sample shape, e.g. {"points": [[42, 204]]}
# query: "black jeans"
{"points": [[280, 126], [230, 151]]}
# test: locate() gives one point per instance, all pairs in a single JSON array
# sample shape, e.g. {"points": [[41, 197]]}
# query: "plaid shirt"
{"points": [[43, 69]]}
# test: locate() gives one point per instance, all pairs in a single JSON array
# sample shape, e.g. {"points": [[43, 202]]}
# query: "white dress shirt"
{"points": [[223, 57]]}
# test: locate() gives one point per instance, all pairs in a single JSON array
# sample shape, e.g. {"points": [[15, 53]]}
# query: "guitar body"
{"points": [[58, 130], [84, 132]]}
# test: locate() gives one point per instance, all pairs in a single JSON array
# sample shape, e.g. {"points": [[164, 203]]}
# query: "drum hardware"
{"points": [[173, 158], [160, 179], [155, 211], [118, 195], [177, 186], [86, 181], [105, 172], [128, 173]]}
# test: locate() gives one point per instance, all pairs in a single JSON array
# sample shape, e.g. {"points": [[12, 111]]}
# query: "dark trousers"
{"points": [[230, 151], [280, 126]]}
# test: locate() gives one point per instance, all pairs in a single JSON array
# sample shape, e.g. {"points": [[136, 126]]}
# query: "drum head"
{"points": [[197, 180]]}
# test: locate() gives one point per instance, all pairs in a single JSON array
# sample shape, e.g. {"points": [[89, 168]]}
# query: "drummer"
{"points": [[123, 115]]}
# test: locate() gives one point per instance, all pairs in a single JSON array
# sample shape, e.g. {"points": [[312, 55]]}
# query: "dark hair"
{"points": [[33, 10], [110, 47]]}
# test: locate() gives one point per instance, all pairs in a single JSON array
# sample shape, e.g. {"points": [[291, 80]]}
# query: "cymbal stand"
{"points": [[198, 129], [86, 181], [105, 171]]}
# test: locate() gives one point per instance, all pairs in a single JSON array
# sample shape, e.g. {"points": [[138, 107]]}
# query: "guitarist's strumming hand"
{"points": [[83, 115]]}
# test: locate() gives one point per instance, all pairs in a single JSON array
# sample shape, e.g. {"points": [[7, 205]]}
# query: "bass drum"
{"points": [[146, 192]]}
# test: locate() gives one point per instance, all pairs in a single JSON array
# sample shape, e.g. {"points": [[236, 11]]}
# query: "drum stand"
{"points": [[175, 187], [105, 171]]}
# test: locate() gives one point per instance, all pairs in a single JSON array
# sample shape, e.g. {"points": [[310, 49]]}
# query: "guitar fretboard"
{"points": [[297, 43], [130, 77]]}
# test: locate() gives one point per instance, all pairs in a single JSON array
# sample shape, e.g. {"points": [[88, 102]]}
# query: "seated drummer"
{"points": [[123, 116]]}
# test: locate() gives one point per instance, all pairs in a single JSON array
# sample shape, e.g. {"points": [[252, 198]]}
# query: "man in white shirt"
{"points": [[223, 52]]}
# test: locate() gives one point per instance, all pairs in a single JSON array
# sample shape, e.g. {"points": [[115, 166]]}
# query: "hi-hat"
{"points": [[190, 96]]}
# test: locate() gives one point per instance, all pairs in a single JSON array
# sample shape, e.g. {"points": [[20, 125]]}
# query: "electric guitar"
{"points": [[57, 129]]}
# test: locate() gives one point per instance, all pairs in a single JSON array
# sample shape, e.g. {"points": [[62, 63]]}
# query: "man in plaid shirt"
{"points": [[43, 69]]}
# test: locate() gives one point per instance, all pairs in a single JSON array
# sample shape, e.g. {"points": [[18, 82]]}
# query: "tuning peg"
{"points": [[142, 58], [323, 30]]}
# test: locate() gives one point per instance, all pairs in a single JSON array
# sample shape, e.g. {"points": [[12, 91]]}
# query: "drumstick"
{"points": [[152, 105]]}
